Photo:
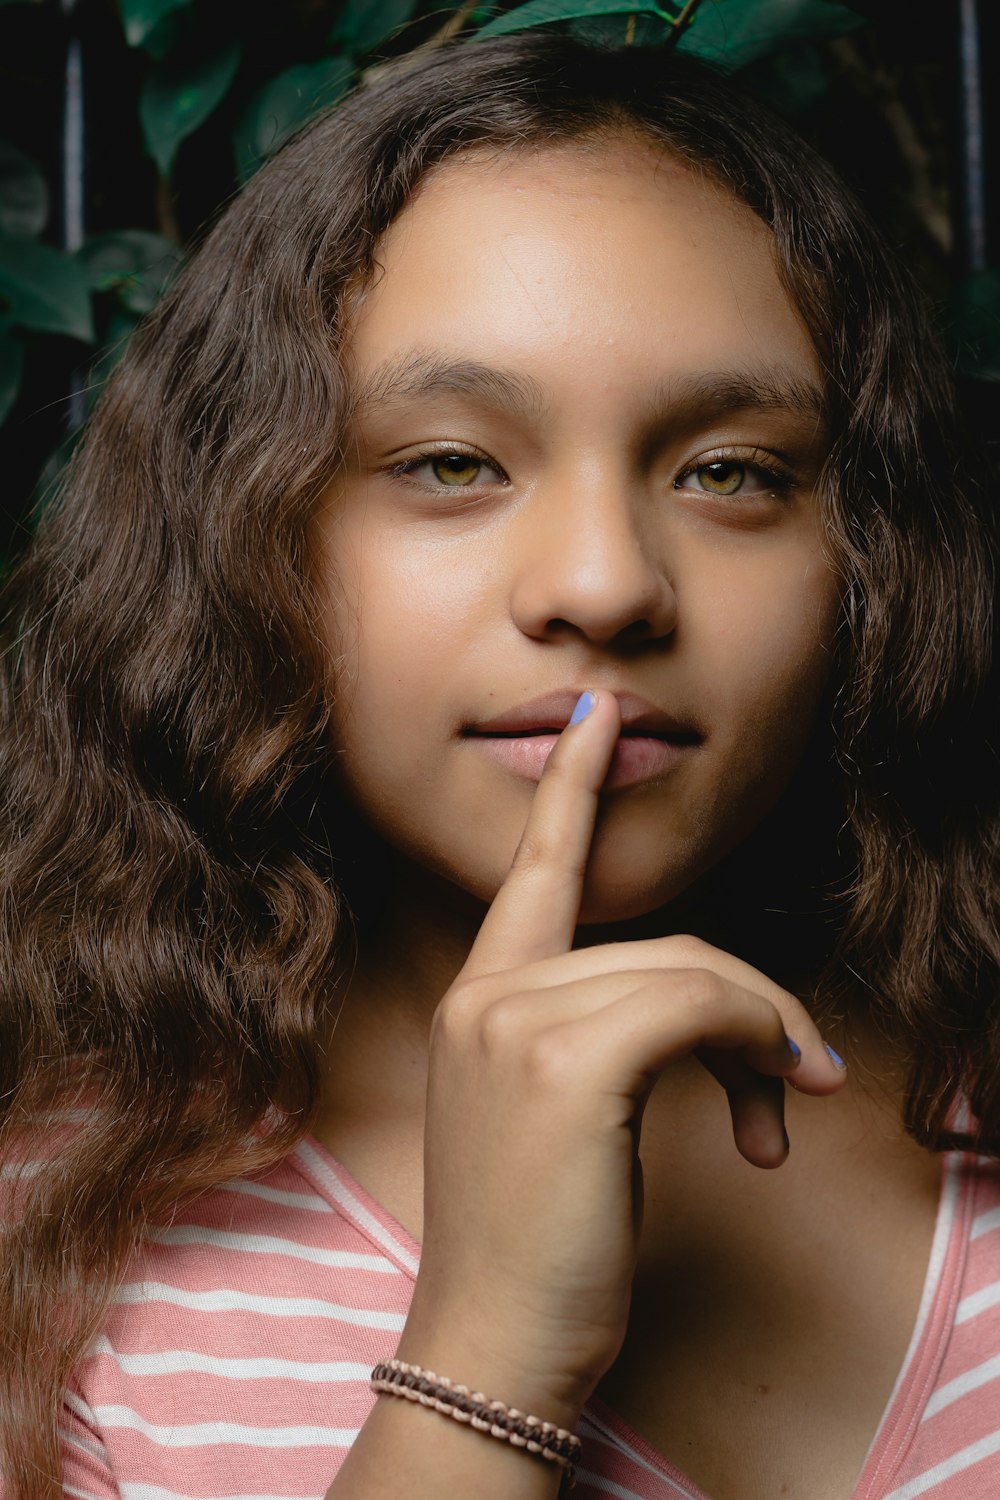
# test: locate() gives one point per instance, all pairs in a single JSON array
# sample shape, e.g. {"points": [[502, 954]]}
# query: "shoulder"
{"points": [[270, 1245], [243, 1336]]}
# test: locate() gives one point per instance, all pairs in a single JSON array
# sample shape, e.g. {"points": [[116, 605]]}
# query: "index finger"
{"points": [[534, 913]]}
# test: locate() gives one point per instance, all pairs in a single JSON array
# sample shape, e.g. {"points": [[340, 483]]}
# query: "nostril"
{"points": [[599, 601], [640, 630]]}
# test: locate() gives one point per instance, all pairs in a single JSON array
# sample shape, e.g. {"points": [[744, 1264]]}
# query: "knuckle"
{"points": [[500, 1025], [704, 991], [456, 1013], [688, 950], [549, 1061], [502, 1036]]}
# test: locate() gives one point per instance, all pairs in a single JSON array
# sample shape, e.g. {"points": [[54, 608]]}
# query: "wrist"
{"points": [[496, 1419], [482, 1364], [406, 1453]]}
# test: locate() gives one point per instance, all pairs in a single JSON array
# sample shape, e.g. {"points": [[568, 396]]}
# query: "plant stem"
{"points": [[684, 20]]}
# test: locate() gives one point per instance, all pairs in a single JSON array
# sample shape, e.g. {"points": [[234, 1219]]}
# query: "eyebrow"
{"points": [[765, 388], [686, 397], [423, 376]]}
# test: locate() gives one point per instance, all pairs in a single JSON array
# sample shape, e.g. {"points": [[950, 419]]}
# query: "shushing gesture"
{"points": [[541, 1061]]}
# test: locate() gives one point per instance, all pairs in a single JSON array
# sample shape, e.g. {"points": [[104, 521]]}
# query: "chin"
{"points": [[607, 904], [639, 864], [615, 913]]}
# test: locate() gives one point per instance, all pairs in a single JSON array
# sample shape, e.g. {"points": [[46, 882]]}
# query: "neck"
{"points": [[408, 954], [405, 957]]}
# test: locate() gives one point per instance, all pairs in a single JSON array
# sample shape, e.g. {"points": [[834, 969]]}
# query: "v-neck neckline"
{"points": [[911, 1390]]}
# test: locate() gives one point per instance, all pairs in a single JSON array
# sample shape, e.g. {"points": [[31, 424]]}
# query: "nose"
{"points": [[588, 563]]}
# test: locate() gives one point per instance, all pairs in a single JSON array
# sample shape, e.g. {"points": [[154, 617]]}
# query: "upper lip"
{"points": [[552, 713]]}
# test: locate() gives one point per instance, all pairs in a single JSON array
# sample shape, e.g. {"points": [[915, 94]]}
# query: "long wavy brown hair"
{"points": [[170, 904]]}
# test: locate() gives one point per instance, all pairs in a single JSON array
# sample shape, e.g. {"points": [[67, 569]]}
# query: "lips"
{"points": [[652, 745], [551, 713]]}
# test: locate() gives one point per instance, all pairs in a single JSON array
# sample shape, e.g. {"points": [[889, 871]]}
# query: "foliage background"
{"points": [[183, 99]]}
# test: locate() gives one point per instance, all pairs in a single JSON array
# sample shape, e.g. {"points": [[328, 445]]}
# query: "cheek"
{"points": [[404, 627], [773, 654]]}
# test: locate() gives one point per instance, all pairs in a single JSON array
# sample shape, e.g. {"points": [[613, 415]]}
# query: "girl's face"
{"points": [[585, 456]]}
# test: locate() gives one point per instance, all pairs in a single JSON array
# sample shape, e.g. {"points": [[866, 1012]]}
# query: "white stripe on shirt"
{"points": [[218, 1434], [963, 1459], [985, 1223], [265, 1244], [962, 1385], [227, 1299], [312, 1202], [179, 1361], [977, 1302]]}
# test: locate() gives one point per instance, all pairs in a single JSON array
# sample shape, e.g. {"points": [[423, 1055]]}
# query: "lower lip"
{"points": [[637, 758]]}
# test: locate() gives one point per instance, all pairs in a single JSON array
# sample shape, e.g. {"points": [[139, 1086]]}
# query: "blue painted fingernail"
{"points": [[836, 1058], [786, 1140], [584, 704], [793, 1048]]}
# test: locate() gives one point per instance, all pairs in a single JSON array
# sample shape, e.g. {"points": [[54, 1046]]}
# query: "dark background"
{"points": [[125, 125]]}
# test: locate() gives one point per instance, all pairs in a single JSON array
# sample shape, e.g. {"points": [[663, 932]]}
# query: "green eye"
{"points": [[456, 469], [723, 478]]}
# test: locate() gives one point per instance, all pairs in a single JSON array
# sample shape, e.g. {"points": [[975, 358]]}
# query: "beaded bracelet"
{"points": [[393, 1377]]}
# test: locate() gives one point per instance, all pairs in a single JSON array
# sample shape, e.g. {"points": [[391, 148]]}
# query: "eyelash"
{"points": [[778, 481], [408, 467]]}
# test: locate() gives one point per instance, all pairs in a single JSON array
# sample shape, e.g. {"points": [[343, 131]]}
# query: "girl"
{"points": [[513, 655]]}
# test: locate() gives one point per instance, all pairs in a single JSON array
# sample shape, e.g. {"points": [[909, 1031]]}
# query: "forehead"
{"points": [[609, 260]]}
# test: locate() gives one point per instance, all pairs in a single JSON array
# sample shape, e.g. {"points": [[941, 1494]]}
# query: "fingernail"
{"points": [[793, 1047], [584, 704], [786, 1140], [836, 1058]]}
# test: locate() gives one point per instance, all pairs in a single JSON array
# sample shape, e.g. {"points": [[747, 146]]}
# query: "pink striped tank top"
{"points": [[235, 1361]]}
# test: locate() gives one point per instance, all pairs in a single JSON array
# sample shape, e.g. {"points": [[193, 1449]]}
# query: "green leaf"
{"points": [[11, 365], [284, 104], [733, 33], [140, 18], [622, 31], [24, 195], [179, 95], [363, 24], [166, 37], [43, 288], [793, 81], [545, 12], [133, 264]]}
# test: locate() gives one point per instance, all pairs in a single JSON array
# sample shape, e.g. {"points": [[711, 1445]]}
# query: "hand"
{"points": [[541, 1061]]}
